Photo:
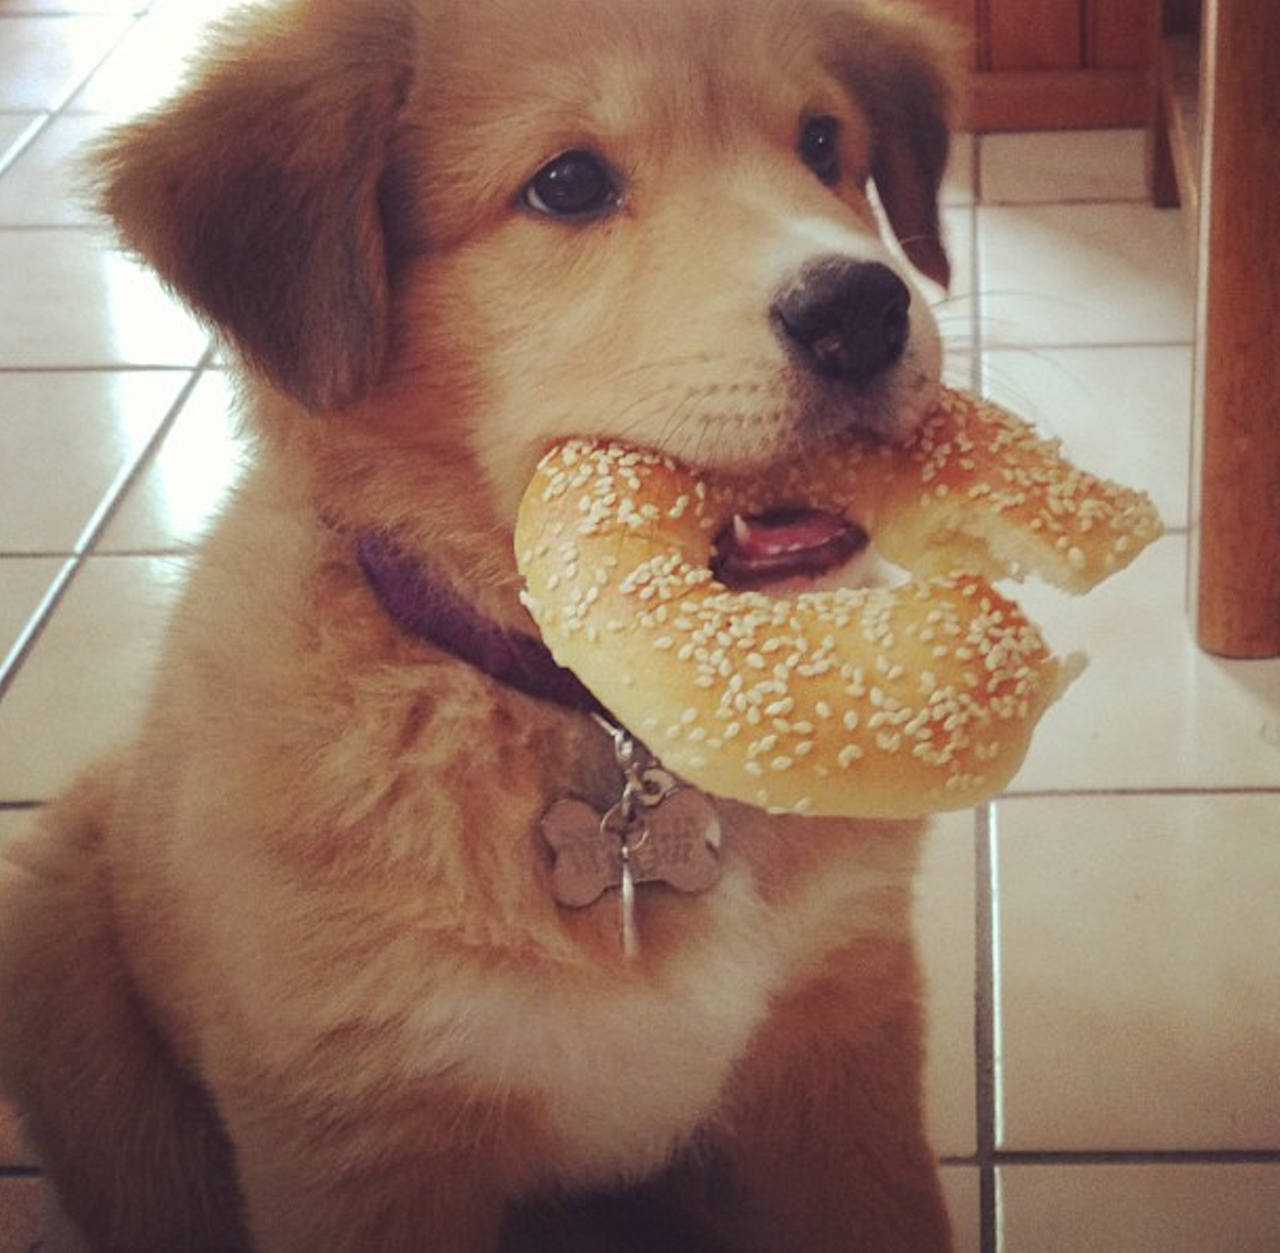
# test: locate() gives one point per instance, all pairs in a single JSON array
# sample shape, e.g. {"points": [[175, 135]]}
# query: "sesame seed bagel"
{"points": [[858, 701]]}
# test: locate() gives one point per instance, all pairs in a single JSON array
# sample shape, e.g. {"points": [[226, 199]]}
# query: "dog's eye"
{"points": [[576, 184], [820, 148]]}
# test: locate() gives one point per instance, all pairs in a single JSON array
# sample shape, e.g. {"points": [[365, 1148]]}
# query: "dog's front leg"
{"points": [[825, 1148], [408, 1172]]}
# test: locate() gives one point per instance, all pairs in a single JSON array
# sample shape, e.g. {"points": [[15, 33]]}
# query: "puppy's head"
{"points": [[473, 227]]}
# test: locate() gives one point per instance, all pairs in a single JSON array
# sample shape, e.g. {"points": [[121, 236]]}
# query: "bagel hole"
{"points": [[765, 550]]}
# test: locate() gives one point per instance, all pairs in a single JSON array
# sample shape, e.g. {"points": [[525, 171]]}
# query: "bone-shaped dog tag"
{"points": [[680, 847], [586, 857]]}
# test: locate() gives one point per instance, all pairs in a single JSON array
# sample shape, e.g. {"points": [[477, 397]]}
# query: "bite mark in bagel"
{"points": [[858, 701]]}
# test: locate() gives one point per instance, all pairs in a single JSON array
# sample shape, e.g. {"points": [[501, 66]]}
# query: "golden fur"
{"points": [[287, 974]]}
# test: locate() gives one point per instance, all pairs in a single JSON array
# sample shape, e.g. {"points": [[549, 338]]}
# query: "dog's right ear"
{"points": [[258, 194], [904, 65]]}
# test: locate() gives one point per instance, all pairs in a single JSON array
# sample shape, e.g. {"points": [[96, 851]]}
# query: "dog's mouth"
{"points": [[759, 550]]}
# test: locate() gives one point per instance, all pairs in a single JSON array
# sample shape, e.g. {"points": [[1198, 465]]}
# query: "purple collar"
{"points": [[432, 610]]}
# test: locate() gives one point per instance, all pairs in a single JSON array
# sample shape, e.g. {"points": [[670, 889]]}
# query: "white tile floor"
{"points": [[1103, 944]]}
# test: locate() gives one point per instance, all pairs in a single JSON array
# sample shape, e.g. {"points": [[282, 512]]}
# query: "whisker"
{"points": [[643, 408]]}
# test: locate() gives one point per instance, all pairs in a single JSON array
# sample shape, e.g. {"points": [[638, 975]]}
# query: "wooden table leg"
{"points": [[1236, 562]]}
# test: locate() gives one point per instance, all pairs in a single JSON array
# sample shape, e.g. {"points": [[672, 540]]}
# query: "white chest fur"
{"points": [[622, 1071]]}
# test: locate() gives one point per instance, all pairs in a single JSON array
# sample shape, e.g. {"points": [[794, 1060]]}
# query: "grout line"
{"points": [[46, 228], [1245, 789], [94, 529], [1069, 1158], [40, 121], [104, 367], [36, 623], [985, 1025], [977, 293], [62, 554], [1136, 1157], [114, 496], [1089, 202], [1044, 347]]}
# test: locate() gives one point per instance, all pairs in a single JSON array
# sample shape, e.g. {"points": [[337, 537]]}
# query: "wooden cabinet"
{"points": [[1055, 64], [1030, 35]]}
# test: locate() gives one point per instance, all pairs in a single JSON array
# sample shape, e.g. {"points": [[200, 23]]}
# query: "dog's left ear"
{"points": [[903, 64], [258, 195]]}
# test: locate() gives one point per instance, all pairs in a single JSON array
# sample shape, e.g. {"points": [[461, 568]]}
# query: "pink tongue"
{"points": [[759, 549]]}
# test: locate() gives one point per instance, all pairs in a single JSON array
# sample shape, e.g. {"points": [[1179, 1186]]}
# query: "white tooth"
{"points": [[741, 529]]}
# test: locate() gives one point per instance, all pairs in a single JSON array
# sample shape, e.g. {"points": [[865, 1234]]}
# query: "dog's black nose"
{"points": [[848, 319]]}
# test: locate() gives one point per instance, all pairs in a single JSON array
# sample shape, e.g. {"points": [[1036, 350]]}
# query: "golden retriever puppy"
{"points": [[290, 973]]}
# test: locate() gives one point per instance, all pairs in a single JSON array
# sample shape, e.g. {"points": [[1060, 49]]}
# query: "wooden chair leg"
{"points": [[1237, 516]]}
